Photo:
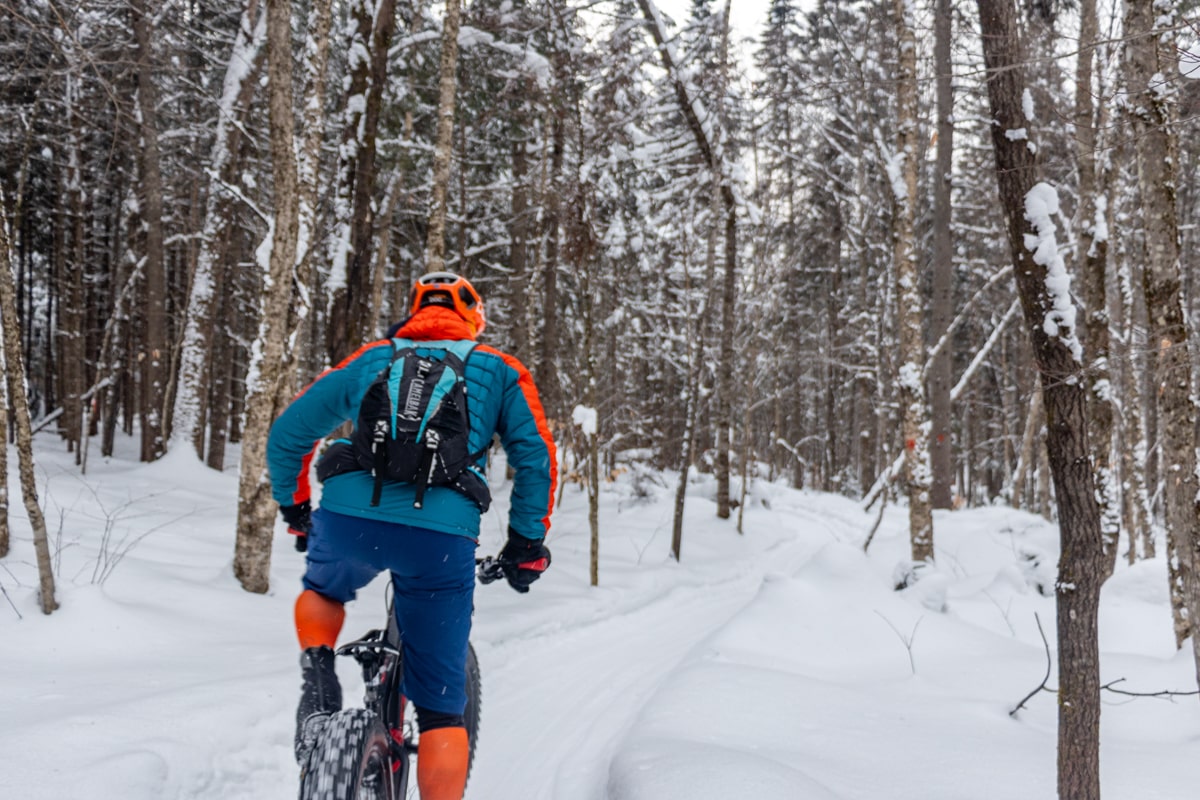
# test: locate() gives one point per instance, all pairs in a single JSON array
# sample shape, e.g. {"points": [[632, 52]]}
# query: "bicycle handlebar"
{"points": [[488, 569]]}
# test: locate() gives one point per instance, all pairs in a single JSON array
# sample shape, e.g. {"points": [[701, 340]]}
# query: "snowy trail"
{"points": [[552, 735], [557, 703]]}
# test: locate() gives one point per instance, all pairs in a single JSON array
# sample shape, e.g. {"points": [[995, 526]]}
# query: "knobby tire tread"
{"points": [[340, 759]]}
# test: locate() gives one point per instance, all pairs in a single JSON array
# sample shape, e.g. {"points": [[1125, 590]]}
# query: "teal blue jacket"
{"points": [[501, 399]]}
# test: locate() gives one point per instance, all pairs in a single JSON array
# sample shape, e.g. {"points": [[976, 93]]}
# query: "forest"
{"points": [[937, 254]]}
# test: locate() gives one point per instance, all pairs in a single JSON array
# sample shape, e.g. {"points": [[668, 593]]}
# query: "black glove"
{"points": [[523, 560], [299, 522]]}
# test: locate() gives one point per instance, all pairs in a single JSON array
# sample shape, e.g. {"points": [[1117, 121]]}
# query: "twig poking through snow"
{"points": [[908, 641], [16, 610], [1046, 679]]}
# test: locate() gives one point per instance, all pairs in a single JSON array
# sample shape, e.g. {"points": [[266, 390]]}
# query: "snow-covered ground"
{"points": [[778, 664]]}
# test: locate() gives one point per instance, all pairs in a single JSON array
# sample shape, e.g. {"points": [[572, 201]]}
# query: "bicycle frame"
{"points": [[379, 653]]}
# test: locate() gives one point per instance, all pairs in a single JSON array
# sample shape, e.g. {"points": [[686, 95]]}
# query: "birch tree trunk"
{"points": [[908, 293], [14, 375], [941, 312], [207, 283], [316, 67], [435, 241], [724, 409], [256, 509], [1092, 225], [155, 355], [591, 430], [1149, 56], [1059, 361]]}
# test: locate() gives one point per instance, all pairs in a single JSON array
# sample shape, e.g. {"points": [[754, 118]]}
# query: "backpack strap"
{"points": [[460, 350]]}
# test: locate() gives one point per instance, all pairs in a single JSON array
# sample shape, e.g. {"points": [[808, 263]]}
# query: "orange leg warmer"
{"points": [[318, 619], [442, 756]]}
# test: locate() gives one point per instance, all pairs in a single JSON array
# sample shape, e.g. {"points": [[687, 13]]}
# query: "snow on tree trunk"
{"points": [[1150, 53], [256, 509], [155, 354], [14, 375], [435, 241], [195, 358], [1044, 290], [903, 174], [1092, 225]]}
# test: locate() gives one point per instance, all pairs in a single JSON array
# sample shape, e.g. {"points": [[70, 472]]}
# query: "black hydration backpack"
{"points": [[413, 425]]}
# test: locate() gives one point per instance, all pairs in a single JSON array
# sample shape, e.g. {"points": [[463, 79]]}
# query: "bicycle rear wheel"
{"points": [[352, 760], [471, 714]]}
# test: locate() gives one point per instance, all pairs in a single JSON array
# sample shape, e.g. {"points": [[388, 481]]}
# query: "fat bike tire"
{"points": [[352, 760], [471, 713]]}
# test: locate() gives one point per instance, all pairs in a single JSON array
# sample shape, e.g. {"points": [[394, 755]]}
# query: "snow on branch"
{"points": [[704, 126], [534, 62]]}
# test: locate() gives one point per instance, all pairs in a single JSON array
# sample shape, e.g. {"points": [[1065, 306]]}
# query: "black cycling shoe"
{"points": [[320, 697]]}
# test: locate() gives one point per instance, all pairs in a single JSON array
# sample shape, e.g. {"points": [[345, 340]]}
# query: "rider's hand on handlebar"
{"points": [[523, 560], [299, 522]]}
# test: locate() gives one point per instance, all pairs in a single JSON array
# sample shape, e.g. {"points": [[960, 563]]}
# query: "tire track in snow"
{"points": [[555, 707]]}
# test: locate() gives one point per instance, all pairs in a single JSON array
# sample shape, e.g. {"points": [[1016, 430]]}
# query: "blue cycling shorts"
{"points": [[433, 575]]}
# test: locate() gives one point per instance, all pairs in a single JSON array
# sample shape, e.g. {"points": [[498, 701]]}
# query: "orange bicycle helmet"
{"points": [[450, 291]]}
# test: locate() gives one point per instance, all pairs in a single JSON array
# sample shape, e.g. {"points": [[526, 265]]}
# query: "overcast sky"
{"points": [[747, 17]]}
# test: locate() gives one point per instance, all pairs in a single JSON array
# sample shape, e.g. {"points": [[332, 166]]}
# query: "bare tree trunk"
{"points": [[14, 373], [435, 241], [548, 382], [4, 429], [1139, 518], [256, 509], [1033, 424], [349, 315], [908, 293], [155, 354], [72, 309], [1149, 54], [1092, 225], [1059, 362], [207, 282], [689, 444], [519, 258], [5, 256], [379, 277], [941, 312]]}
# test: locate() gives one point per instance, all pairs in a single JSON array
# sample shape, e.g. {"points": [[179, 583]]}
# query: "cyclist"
{"points": [[430, 550]]}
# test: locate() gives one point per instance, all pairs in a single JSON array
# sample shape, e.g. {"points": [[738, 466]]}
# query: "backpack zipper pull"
{"points": [[378, 435], [432, 441]]}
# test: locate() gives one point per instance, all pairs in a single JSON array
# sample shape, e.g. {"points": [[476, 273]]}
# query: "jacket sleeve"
{"points": [[526, 439], [318, 410]]}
